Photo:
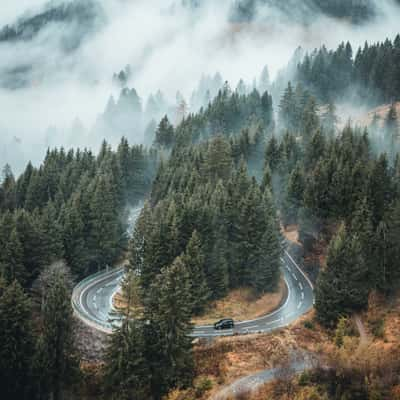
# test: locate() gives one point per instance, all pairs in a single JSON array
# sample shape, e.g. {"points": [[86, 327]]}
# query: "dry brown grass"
{"points": [[366, 119], [230, 358], [241, 304], [267, 392], [120, 303], [291, 233], [388, 312]]}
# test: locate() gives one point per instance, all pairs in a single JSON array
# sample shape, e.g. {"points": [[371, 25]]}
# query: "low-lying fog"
{"points": [[169, 48]]}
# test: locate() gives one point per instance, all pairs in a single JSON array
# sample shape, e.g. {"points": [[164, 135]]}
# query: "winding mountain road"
{"points": [[251, 383], [92, 300]]}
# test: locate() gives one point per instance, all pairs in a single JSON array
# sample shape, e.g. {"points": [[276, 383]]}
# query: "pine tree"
{"points": [[30, 236], [329, 119], [127, 374], [132, 293], [219, 160], [250, 229], [317, 196], [361, 225], [8, 189], [52, 233], [16, 342], [309, 120], [12, 260], [22, 185], [57, 359], [265, 274], [340, 331], [195, 264], [106, 230], [392, 131], [288, 109], [266, 183], [315, 150], [165, 133], [169, 347], [34, 192], [342, 287], [294, 195], [267, 110], [380, 190], [388, 234], [273, 154], [74, 238]]}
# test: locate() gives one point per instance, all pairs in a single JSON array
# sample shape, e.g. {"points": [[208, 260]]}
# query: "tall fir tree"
{"points": [[127, 373], [16, 342], [57, 358], [342, 286], [169, 348], [194, 261], [106, 225], [392, 131], [12, 260]]}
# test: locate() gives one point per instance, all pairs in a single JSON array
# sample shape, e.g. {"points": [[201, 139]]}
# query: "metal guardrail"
{"points": [[108, 326], [77, 291]]}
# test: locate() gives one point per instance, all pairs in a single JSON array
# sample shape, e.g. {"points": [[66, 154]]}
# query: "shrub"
{"points": [[378, 327], [203, 386], [309, 325], [304, 378]]}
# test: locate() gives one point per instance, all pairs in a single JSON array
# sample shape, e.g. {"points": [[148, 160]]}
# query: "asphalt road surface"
{"points": [[93, 303], [250, 383], [300, 299]]}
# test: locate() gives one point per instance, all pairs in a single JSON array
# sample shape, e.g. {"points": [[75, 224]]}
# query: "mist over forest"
{"points": [[61, 61], [200, 199]]}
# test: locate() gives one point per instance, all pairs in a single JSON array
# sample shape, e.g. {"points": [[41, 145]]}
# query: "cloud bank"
{"points": [[168, 46]]}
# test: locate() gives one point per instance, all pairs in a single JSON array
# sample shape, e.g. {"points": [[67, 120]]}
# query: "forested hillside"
{"points": [[208, 228], [81, 14], [71, 207], [371, 73], [261, 187], [210, 225], [357, 11]]}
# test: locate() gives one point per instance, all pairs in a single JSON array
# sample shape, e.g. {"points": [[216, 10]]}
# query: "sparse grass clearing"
{"points": [[241, 305]]}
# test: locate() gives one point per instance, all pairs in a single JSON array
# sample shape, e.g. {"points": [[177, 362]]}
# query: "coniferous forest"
{"points": [[221, 186], [372, 71]]}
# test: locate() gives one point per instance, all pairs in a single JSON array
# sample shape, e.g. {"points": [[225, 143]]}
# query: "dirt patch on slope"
{"points": [[241, 304]]}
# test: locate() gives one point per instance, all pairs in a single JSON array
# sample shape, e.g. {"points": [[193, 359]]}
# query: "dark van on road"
{"points": [[226, 323]]}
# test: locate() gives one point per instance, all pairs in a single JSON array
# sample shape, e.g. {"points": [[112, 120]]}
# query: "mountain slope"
{"points": [[84, 15]]}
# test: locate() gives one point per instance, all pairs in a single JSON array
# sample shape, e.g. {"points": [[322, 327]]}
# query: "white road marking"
{"points": [[301, 271], [204, 332], [271, 314], [94, 298], [274, 322], [299, 305]]}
